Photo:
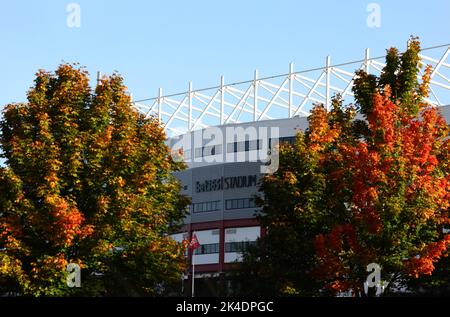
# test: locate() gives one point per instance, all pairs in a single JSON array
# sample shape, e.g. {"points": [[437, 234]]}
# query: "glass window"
{"points": [[240, 147], [238, 246], [240, 203], [207, 249], [253, 145], [209, 150], [206, 206]]}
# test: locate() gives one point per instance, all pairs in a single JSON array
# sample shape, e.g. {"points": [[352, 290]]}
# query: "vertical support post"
{"points": [[99, 77], [222, 99], [291, 86], [190, 107], [159, 103], [366, 61], [327, 87], [222, 257], [255, 94], [193, 273]]}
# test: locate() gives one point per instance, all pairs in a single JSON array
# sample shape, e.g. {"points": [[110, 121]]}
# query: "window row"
{"points": [[207, 249], [213, 248], [208, 150], [243, 146], [231, 147], [238, 246], [240, 203], [287, 139], [206, 206]]}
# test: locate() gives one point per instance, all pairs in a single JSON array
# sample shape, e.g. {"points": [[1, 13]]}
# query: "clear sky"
{"points": [[166, 43]]}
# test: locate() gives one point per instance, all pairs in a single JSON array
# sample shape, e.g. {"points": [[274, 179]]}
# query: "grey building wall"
{"points": [[204, 171], [220, 172]]}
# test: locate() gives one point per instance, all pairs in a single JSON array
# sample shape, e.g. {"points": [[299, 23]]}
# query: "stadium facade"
{"points": [[227, 132], [222, 180]]}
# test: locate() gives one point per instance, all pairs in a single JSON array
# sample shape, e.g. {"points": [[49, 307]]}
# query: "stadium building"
{"points": [[228, 134], [222, 188], [222, 181]]}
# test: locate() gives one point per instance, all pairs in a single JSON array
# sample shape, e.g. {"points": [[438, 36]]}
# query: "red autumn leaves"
{"points": [[400, 156]]}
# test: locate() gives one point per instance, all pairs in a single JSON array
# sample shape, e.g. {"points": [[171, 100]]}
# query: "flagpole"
{"points": [[193, 271]]}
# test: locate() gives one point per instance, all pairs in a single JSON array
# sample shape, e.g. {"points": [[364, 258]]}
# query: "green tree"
{"points": [[353, 192], [87, 180]]}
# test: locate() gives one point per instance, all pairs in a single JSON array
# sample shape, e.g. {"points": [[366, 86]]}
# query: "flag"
{"points": [[194, 244]]}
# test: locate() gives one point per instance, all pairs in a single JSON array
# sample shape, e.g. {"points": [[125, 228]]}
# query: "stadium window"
{"points": [[241, 203], [214, 150], [240, 246], [244, 146], [240, 146], [210, 248], [287, 139], [206, 206], [253, 145]]}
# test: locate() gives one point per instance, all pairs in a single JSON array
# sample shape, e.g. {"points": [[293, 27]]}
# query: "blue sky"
{"points": [[167, 43]]}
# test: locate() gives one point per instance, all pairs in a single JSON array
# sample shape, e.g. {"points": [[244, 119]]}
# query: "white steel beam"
{"points": [[280, 94]]}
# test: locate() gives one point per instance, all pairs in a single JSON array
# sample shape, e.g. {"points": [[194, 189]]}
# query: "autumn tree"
{"points": [[351, 192], [89, 181]]}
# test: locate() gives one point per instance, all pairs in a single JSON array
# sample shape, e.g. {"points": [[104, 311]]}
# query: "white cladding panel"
{"points": [[207, 258], [208, 236], [232, 257]]}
